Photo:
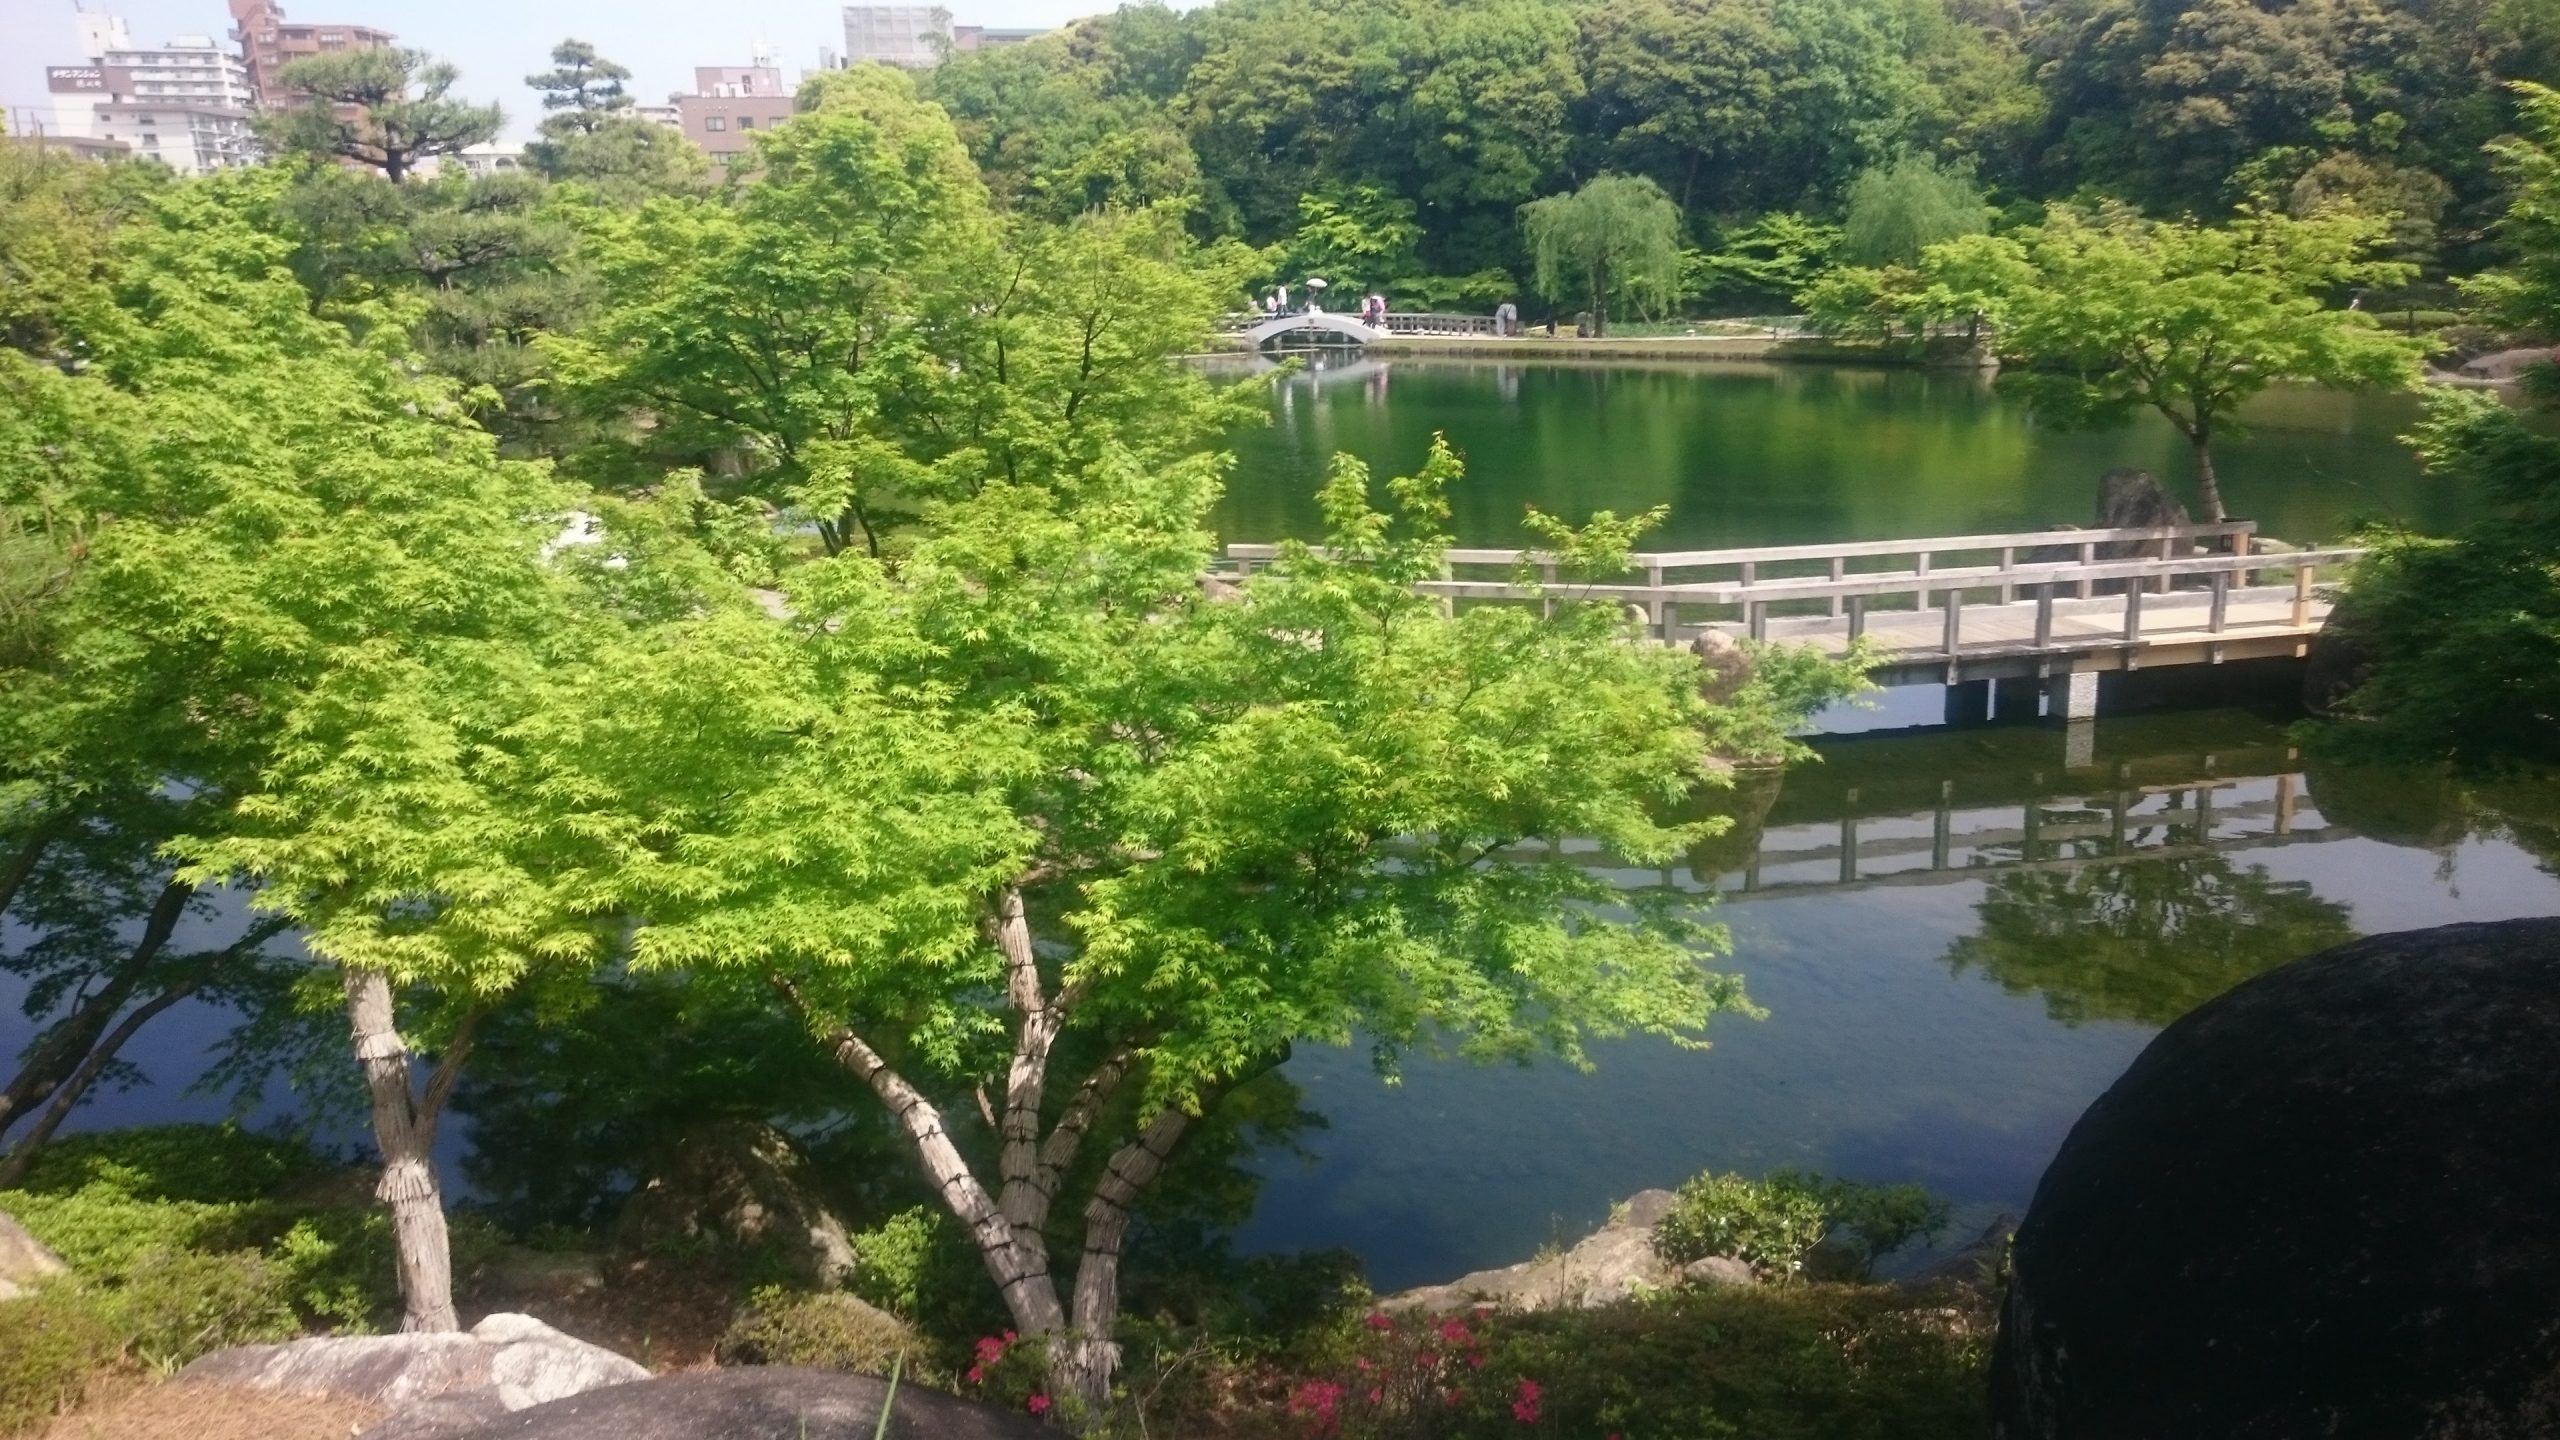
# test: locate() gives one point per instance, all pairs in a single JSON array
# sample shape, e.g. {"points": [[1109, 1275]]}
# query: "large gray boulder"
{"points": [[742, 1183], [24, 1260], [2321, 1204], [506, 1361], [776, 1403]]}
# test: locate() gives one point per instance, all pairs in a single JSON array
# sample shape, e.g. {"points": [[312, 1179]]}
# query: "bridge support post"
{"points": [[2072, 702], [2072, 696]]}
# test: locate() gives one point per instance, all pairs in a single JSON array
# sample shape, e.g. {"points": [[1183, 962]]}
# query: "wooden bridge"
{"points": [[2050, 607]]}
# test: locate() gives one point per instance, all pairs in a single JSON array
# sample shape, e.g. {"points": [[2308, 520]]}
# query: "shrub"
{"points": [[1768, 1223], [1773, 1223], [53, 1345], [891, 1259], [210, 1164], [830, 1331], [138, 1212], [182, 1304], [1797, 1362]]}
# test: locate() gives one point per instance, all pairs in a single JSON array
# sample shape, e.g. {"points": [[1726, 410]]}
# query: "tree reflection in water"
{"points": [[2146, 940]]}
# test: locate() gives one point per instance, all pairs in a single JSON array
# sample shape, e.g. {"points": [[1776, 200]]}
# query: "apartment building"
{"points": [[185, 104], [917, 37], [730, 104], [268, 43]]}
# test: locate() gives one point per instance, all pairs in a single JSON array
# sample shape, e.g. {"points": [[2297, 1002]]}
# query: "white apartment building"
{"points": [[915, 36], [185, 104]]}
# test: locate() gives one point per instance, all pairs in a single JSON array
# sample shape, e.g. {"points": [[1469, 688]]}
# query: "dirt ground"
{"points": [[209, 1412]]}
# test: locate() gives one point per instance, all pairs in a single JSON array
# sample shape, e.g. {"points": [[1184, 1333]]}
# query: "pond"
{"points": [[1945, 1016], [1750, 454]]}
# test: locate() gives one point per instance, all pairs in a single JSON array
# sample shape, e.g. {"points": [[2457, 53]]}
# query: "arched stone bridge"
{"points": [[1341, 329]]}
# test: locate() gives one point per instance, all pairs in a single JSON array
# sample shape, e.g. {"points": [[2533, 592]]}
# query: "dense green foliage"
{"points": [[2464, 634], [1462, 112]]}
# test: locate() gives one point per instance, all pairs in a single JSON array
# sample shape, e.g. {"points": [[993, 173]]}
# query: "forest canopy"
{"points": [[1439, 120]]}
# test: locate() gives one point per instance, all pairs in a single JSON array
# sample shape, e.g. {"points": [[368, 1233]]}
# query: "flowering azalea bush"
{"points": [[1009, 1371], [1412, 1376], [1794, 1362]]}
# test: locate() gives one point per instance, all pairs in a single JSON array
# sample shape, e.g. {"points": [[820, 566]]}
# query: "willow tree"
{"points": [[305, 589], [1897, 211], [1615, 239], [2110, 313], [1024, 821]]}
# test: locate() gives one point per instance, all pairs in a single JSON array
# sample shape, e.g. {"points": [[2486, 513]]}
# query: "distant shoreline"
{"points": [[1697, 349]]}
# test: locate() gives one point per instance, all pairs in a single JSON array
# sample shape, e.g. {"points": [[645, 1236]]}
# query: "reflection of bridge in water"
{"points": [[1797, 834]]}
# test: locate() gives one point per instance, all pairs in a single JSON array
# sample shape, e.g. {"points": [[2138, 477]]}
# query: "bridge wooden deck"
{"points": [[1946, 610]]}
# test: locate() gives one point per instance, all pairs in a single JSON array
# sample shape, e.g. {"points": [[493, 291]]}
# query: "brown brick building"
{"points": [[268, 42], [732, 103]]}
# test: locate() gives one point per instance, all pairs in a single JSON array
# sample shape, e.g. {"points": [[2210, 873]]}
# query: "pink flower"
{"points": [[1363, 1363], [1316, 1397], [1476, 1361], [1377, 1395], [977, 1374], [1455, 1332], [1037, 1404], [1524, 1408], [1378, 1321], [1008, 1337]]}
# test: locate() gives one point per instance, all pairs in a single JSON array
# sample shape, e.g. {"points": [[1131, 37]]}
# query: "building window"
{"points": [[715, 123], [746, 122], [150, 139]]}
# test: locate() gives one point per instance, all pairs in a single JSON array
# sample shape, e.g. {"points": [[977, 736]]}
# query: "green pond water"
{"points": [[1945, 1013], [1747, 454]]}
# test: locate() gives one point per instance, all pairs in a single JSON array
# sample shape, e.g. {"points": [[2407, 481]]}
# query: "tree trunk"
{"points": [[22, 864], [66, 1096], [1086, 1358], [2208, 485], [56, 1057], [404, 1129]]}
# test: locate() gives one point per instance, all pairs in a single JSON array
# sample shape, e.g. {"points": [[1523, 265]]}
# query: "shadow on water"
{"points": [[1961, 936]]}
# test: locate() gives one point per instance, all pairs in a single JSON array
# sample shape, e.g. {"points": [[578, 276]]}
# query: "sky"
{"points": [[498, 42]]}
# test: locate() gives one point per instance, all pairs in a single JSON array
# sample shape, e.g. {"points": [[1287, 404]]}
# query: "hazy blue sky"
{"points": [[498, 42]]}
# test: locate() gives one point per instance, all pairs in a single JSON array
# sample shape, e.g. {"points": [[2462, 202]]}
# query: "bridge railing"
{"points": [[1842, 559], [1425, 322], [2052, 587]]}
